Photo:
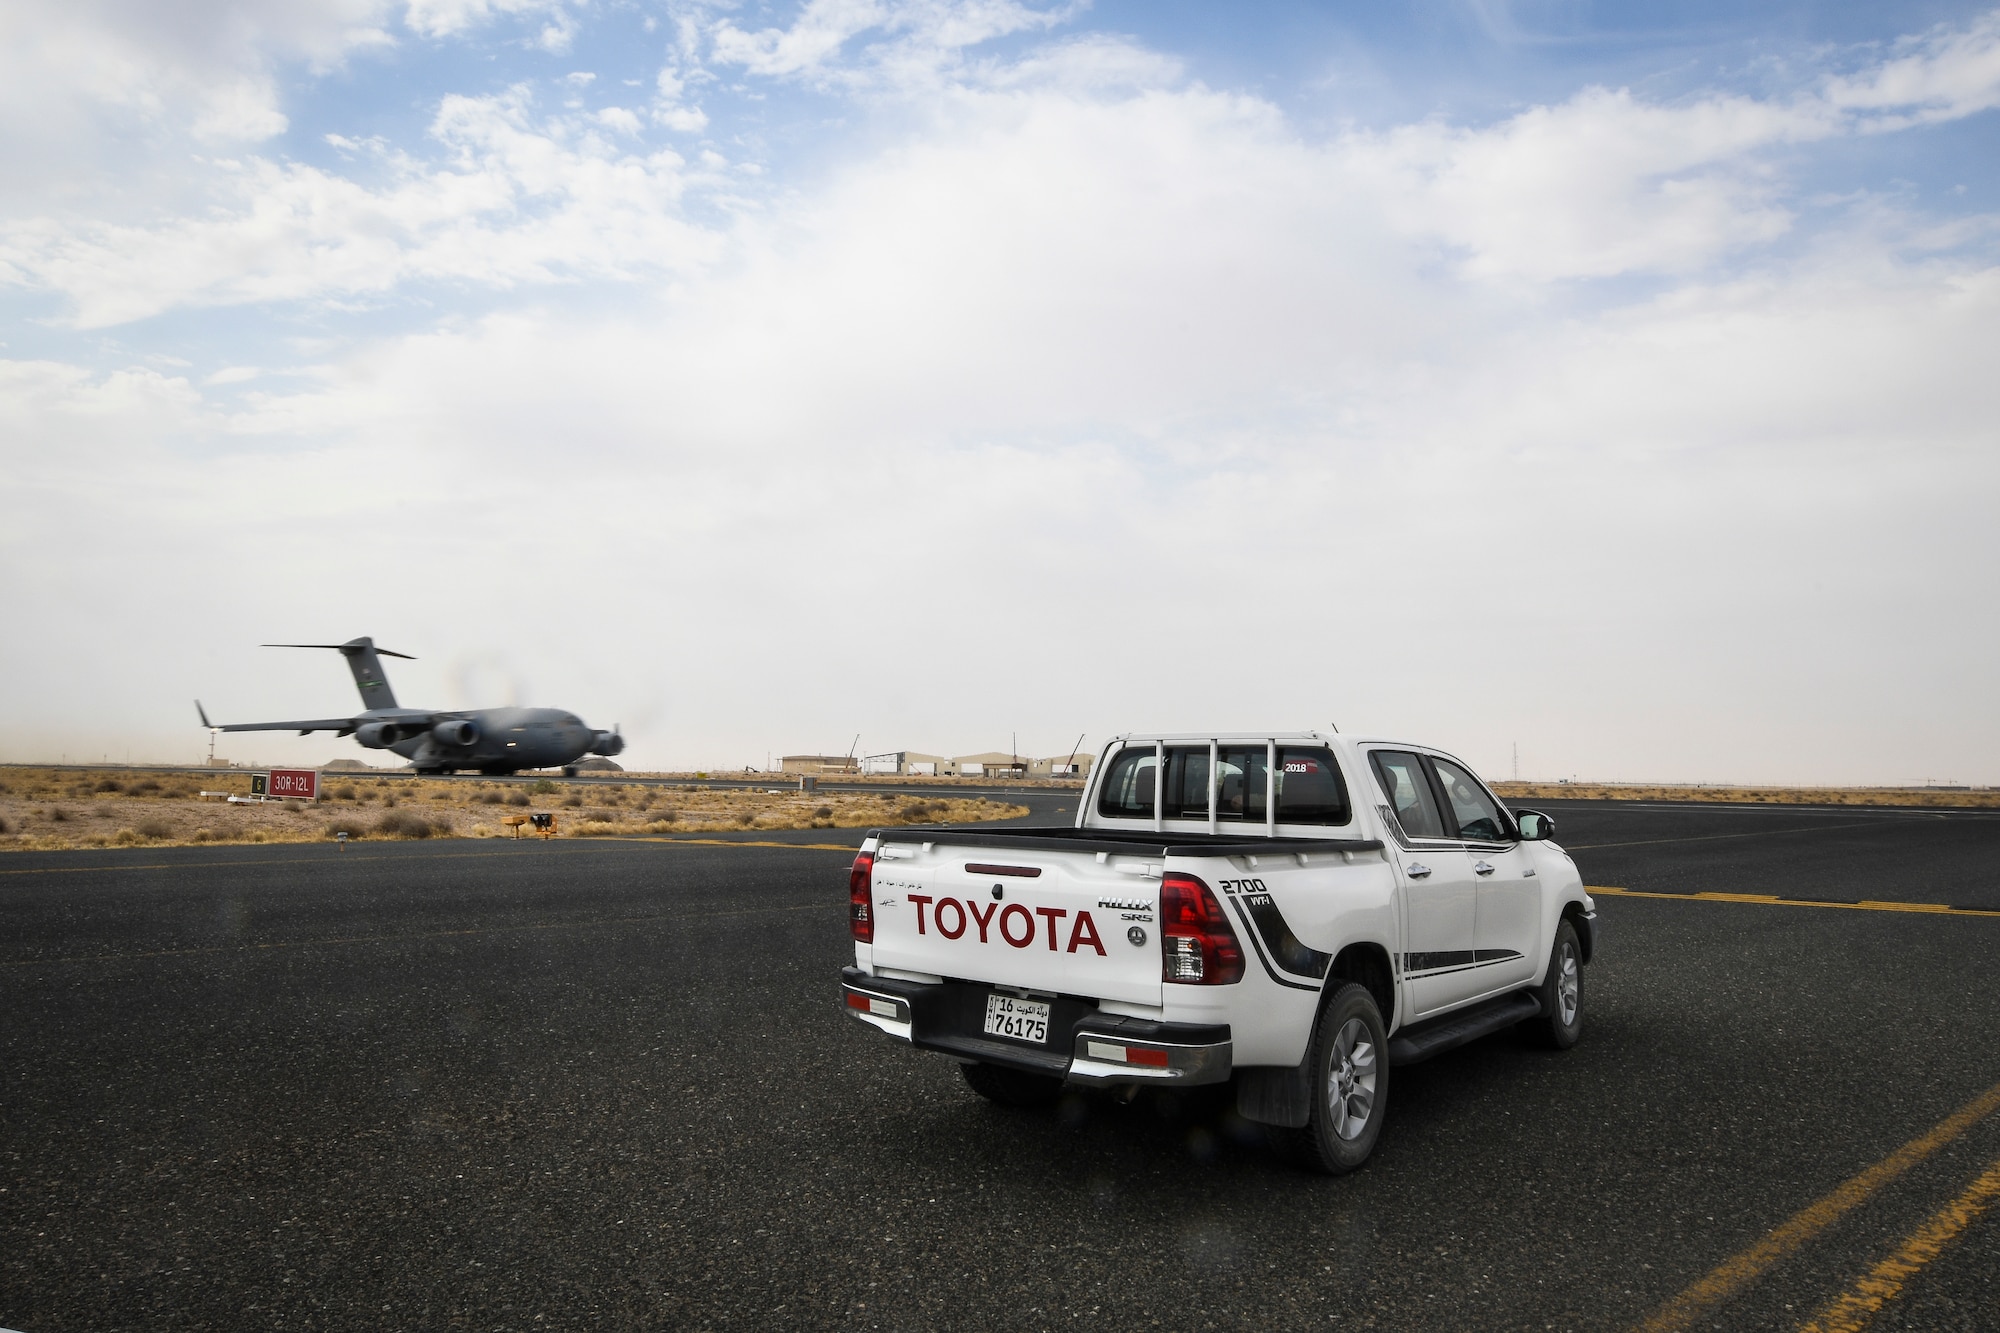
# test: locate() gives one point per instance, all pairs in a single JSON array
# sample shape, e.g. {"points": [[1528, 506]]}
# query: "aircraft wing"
{"points": [[344, 726]]}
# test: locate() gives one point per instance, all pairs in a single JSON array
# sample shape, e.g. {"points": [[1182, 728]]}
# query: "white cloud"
{"points": [[77, 78], [519, 199], [618, 120], [1606, 184], [449, 18], [1601, 185], [1945, 74], [667, 109], [913, 40]]}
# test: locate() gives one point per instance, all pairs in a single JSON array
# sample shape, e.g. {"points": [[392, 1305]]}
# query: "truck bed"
{"points": [[1121, 842]]}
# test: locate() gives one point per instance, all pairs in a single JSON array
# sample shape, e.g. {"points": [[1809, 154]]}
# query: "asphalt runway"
{"points": [[608, 1085]]}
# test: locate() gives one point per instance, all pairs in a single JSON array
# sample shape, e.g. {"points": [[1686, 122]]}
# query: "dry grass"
{"points": [[55, 809], [1599, 791]]}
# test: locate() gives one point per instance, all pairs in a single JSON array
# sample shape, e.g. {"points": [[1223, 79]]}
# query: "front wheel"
{"points": [[1561, 994], [1349, 1069]]}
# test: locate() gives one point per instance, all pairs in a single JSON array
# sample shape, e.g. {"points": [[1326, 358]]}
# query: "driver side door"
{"points": [[1508, 899], [1440, 895]]}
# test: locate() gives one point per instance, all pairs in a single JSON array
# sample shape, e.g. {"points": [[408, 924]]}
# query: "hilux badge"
{"points": [[1137, 934]]}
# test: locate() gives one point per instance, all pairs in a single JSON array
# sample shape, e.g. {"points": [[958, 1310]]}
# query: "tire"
{"points": [[1012, 1087], [1561, 994], [1348, 1062], [569, 770]]}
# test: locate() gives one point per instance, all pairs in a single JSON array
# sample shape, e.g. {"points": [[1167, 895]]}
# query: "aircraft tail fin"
{"points": [[364, 659]]}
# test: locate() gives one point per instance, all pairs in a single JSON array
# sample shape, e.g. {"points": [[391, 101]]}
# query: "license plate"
{"points": [[1023, 1020]]}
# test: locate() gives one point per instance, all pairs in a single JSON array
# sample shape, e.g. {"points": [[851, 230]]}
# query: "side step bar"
{"points": [[1415, 1045]]}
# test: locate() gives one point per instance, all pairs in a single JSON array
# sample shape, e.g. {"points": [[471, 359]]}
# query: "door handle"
{"points": [[1417, 871], [1481, 868]]}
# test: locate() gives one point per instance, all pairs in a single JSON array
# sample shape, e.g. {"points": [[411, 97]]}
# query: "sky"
{"points": [[1593, 391]]}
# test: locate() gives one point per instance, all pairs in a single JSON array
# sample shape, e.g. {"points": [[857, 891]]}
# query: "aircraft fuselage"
{"points": [[500, 740]]}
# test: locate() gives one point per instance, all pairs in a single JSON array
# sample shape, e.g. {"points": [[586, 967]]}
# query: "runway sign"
{"points": [[292, 784]]}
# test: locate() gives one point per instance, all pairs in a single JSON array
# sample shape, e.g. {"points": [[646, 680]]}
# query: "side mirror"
{"points": [[1535, 826]]}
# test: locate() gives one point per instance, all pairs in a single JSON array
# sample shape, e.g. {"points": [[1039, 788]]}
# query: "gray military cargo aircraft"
{"points": [[491, 740]]}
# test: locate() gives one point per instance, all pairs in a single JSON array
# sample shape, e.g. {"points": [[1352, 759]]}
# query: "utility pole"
{"points": [[1517, 761]]}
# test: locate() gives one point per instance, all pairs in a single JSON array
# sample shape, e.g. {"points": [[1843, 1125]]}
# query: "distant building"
{"points": [[907, 764], [1062, 766], [818, 763], [992, 764]]}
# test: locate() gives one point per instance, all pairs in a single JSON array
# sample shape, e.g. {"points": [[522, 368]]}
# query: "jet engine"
{"points": [[380, 735], [608, 743], [459, 733]]}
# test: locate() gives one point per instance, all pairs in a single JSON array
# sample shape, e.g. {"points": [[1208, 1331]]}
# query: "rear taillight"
{"points": [[860, 883], [1197, 947]]}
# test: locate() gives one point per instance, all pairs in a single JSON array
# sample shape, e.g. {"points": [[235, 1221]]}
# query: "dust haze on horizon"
{"points": [[753, 375]]}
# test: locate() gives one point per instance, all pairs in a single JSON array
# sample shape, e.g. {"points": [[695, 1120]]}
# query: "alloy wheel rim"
{"points": [[1351, 1080], [1569, 985]]}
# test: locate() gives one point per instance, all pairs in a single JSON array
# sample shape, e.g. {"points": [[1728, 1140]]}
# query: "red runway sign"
{"points": [[295, 784]]}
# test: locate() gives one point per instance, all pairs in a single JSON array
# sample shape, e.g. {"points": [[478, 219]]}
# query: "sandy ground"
{"points": [[50, 810], [1599, 791]]}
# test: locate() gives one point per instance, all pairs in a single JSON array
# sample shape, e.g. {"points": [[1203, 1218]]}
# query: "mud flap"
{"points": [[1281, 1097]]}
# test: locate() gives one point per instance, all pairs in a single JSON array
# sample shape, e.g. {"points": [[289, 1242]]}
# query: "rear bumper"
{"points": [[1085, 1046]]}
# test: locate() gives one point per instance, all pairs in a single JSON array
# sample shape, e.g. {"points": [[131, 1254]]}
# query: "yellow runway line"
{"points": [[1884, 1282], [1719, 837], [1746, 1266], [1772, 900]]}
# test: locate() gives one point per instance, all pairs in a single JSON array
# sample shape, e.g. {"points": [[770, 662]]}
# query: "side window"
{"points": [[1409, 793], [1478, 817], [1127, 792], [1310, 788]]}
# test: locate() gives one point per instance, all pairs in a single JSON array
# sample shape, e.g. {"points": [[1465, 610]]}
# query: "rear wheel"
{"points": [[1561, 994], [1012, 1087], [1348, 1065]]}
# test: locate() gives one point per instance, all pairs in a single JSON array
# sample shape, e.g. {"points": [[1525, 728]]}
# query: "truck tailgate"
{"points": [[1061, 922]]}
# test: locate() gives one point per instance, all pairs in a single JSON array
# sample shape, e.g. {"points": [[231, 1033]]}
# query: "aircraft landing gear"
{"points": [[569, 770]]}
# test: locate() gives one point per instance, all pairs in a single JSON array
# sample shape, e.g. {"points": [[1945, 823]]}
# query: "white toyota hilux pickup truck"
{"points": [[1296, 913]]}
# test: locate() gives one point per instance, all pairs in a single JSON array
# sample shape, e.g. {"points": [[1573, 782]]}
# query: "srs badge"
{"points": [[1137, 934]]}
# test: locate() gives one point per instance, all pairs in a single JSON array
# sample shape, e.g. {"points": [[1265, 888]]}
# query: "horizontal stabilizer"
{"points": [[364, 659], [341, 647]]}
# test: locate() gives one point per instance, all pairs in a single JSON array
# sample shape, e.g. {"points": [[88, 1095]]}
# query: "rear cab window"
{"points": [[1310, 787]]}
